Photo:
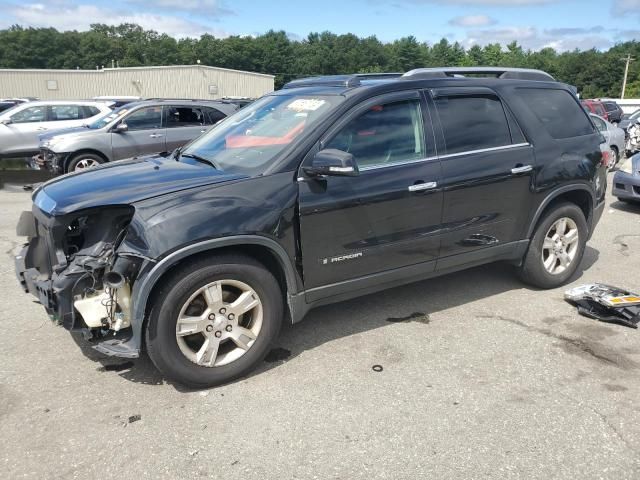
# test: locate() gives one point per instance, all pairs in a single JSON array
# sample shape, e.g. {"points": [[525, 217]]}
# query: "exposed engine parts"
{"points": [[633, 138]]}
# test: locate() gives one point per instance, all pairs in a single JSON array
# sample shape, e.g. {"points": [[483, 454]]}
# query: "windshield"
{"points": [[249, 140], [107, 118], [635, 115]]}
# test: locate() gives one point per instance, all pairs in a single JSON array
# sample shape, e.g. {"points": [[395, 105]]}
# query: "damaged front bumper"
{"points": [[65, 264]]}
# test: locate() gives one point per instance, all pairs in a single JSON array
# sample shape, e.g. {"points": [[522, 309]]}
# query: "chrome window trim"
{"points": [[484, 150], [396, 164]]}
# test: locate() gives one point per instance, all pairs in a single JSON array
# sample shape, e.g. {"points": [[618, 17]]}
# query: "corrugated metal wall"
{"points": [[195, 81]]}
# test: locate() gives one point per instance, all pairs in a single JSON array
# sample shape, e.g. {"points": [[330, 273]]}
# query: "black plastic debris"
{"points": [[606, 304], [135, 418]]}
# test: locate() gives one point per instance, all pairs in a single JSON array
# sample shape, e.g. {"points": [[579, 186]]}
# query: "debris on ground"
{"points": [[135, 418], [606, 303]]}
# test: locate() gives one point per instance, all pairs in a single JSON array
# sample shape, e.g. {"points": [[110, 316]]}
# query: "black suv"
{"points": [[328, 189], [614, 111]]}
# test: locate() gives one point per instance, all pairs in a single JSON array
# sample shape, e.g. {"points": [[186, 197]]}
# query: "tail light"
{"points": [[606, 155]]}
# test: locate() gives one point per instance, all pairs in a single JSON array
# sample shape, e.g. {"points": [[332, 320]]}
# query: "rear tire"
{"points": [[615, 158], [83, 161], [555, 252], [193, 336]]}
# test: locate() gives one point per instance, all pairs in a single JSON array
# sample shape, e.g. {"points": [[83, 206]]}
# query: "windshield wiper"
{"points": [[197, 158]]}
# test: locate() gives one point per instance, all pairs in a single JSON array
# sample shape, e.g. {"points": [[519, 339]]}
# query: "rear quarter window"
{"points": [[558, 111]]}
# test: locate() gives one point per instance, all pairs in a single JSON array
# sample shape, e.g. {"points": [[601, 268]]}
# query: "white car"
{"points": [[21, 125]]}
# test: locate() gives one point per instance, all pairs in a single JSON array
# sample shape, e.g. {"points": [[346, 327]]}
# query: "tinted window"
{"points": [[145, 119], [90, 111], [385, 134], [558, 111], [32, 114], [65, 112], [182, 116], [214, 115], [610, 106], [473, 123]]}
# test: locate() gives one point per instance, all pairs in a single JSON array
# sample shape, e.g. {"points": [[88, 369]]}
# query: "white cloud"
{"points": [[202, 7], [472, 21], [80, 17], [534, 39]]}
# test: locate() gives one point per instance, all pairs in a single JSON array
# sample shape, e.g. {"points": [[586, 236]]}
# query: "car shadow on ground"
{"points": [[352, 317], [625, 206]]}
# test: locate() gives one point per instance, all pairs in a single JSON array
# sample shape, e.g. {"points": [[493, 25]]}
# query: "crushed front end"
{"points": [[71, 265]]}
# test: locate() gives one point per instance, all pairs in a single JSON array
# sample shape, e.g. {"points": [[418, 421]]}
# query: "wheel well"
{"points": [[73, 155], [257, 252], [581, 198]]}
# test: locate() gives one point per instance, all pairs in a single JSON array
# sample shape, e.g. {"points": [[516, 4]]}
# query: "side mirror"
{"points": [[6, 121], [332, 162], [121, 128]]}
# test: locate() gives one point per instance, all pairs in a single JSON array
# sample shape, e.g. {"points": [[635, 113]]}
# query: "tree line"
{"points": [[595, 73]]}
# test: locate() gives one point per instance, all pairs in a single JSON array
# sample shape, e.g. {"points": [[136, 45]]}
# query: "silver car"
{"points": [[21, 125], [615, 139], [140, 128]]}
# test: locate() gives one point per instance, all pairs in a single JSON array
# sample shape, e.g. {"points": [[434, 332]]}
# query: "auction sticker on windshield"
{"points": [[306, 104]]}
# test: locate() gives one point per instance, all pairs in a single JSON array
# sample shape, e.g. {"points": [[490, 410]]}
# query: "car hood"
{"points": [[64, 131], [124, 182]]}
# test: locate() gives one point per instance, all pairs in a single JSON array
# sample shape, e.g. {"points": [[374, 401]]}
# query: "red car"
{"points": [[595, 106]]}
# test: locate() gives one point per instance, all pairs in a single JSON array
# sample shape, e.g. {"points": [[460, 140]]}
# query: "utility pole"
{"points": [[628, 60]]}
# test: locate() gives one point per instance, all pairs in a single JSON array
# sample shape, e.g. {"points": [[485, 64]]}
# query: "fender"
{"points": [[144, 286], [142, 289], [555, 194]]}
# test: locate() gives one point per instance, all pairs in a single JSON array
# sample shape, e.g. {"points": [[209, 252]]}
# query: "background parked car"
{"points": [[151, 126], [595, 106], [614, 136], [614, 111], [117, 101], [21, 125], [628, 119]]}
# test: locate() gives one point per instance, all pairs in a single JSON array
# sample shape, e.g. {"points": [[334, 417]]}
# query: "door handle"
{"points": [[522, 169], [156, 135], [418, 187]]}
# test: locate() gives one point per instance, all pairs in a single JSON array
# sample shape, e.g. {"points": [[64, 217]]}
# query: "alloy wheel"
{"points": [[85, 163], [561, 245], [219, 323]]}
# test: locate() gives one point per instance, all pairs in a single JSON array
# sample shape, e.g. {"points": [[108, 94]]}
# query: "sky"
{"points": [[535, 24]]}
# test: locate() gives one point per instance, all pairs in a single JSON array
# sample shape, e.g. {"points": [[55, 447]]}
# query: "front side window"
{"points": [[249, 141], [384, 134], [558, 111], [31, 114], [65, 112], [472, 123], [147, 118], [185, 116], [213, 115]]}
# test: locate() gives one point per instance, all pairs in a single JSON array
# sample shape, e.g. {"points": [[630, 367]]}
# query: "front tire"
{"points": [[84, 161], [557, 247], [615, 158], [214, 320]]}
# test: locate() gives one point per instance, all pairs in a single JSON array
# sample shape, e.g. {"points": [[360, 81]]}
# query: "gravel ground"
{"points": [[484, 379]]}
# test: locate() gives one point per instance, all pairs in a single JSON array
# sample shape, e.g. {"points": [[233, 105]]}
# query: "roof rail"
{"points": [[353, 80], [498, 72]]}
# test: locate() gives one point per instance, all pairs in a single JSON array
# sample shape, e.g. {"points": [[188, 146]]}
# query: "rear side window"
{"points": [[185, 116], [65, 112], [473, 123], [214, 115], [558, 111]]}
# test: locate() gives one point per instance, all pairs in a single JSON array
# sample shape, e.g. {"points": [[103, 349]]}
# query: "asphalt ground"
{"points": [[484, 378]]}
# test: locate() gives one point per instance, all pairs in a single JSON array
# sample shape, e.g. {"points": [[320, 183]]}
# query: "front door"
{"points": [[144, 135], [487, 168], [386, 217]]}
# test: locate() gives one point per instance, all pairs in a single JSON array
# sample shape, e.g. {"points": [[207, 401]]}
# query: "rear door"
{"points": [[487, 168], [388, 216], [184, 123], [145, 134]]}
